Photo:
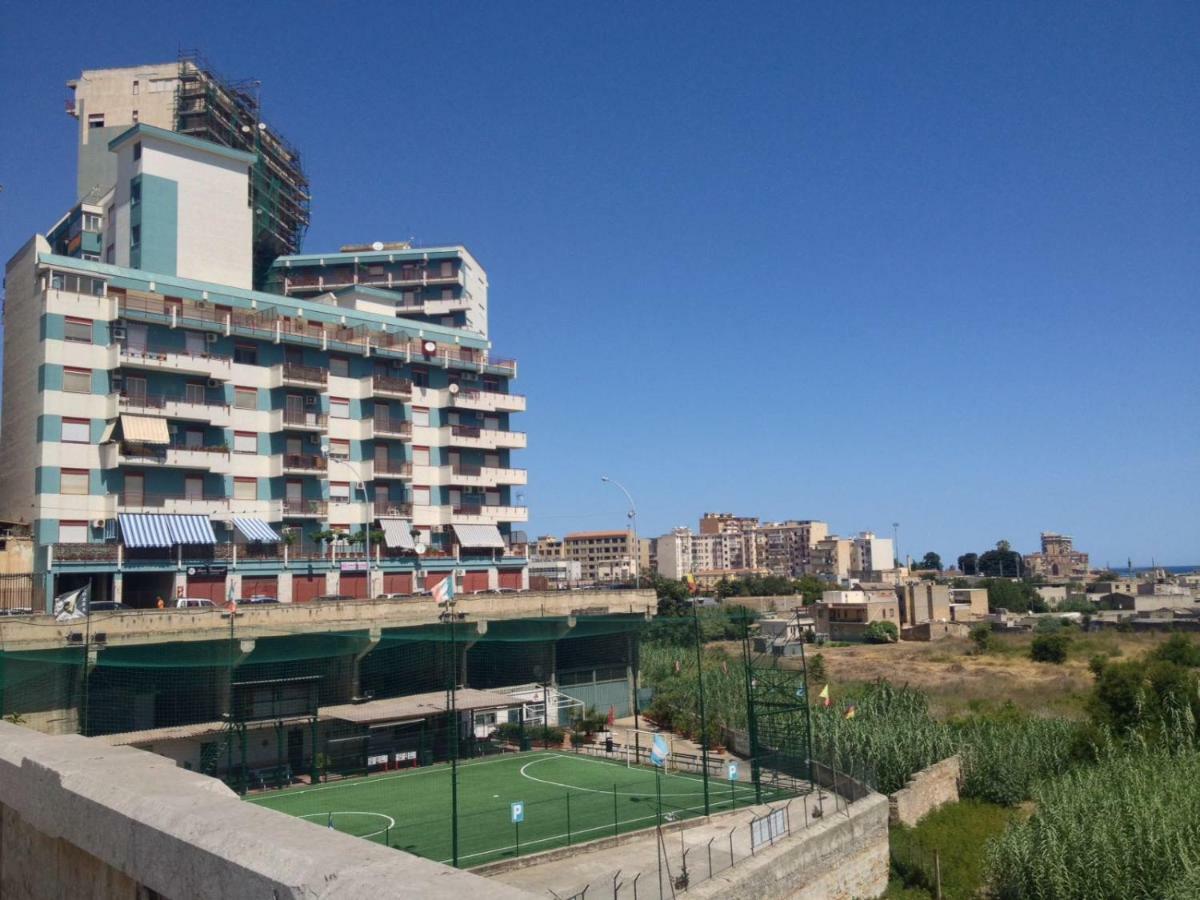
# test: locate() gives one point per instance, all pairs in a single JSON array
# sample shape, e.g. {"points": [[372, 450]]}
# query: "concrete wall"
{"points": [[845, 856], [78, 819], [930, 788], [934, 631]]}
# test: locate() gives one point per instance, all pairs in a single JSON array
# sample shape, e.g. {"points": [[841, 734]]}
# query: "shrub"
{"points": [[881, 633], [816, 668], [1051, 648], [981, 634]]}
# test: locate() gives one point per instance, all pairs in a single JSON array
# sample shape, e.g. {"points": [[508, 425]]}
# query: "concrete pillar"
{"points": [[284, 589], [355, 679], [374, 583], [333, 581], [118, 586], [225, 681]]}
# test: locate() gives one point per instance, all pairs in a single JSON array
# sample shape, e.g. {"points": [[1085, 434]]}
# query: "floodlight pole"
{"points": [[637, 547], [703, 718], [451, 708]]}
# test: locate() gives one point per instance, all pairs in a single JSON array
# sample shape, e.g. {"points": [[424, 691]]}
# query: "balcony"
{"points": [[392, 508], [303, 463], [163, 359], [486, 476], [389, 426], [304, 420], [200, 405], [488, 401], [484, 438], [392, 470], [488, 515], [296, 375], [446, 307], [304, 509], [387, 386], [199, 504], [173, 456]]}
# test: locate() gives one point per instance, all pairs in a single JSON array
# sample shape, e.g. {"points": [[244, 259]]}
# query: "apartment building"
{"points": [[788, 549], [168, 430], [603, 556], [709, 557], [742, 552]]}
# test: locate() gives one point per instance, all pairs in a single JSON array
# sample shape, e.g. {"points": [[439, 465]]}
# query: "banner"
{"points": [[72, 605], [659, 751]]}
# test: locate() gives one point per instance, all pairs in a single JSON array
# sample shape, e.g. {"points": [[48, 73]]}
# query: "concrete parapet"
{"points": [[80, 819], [928, 789]]}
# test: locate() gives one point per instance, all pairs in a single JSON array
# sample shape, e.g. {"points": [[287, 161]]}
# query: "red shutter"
{"points": [[211, 587], [307, 587], [510, 578], [354, 584], [264, 585], [397, 582], [473, 582]]}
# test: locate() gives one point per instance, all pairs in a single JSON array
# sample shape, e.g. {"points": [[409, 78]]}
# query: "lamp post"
{"points": [[896, 543], [362, 486], [632, 515]]}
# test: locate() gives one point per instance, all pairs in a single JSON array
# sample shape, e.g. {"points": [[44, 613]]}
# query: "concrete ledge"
{"points": [[82, 819], [928, 789]]}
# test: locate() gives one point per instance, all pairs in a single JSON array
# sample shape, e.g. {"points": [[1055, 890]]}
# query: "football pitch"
{"points": [[565, 799]]}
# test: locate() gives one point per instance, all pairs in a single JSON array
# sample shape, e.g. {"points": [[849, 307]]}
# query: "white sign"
{"points": [[733, 770], [518, 812]]}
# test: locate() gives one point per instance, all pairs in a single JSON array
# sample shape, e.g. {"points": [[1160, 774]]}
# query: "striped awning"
{"points": [[145, 429], [397, 533], [256, 530], [479, 536], [155, 530], [109, 428]]}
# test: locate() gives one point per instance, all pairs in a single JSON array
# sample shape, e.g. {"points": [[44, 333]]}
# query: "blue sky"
{"points": [[862, 262]]}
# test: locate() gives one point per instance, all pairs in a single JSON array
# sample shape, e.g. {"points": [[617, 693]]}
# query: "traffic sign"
{"points": [[518, 812]]}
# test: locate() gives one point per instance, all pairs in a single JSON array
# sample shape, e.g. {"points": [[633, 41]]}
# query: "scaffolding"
{"points": [[226, 112]]}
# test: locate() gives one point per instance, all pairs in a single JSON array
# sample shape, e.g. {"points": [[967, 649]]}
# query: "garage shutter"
{"points": [[510, 578], [431, 580], [354, 584], [475, 581], [267, 586], [397, 582], [306, 587], [210, 586]]}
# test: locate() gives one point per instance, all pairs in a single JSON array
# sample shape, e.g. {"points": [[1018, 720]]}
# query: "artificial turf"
{"points": [[567, 799]]}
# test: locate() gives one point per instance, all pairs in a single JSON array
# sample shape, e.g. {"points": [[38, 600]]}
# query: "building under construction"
{"points": [[189, 97]]}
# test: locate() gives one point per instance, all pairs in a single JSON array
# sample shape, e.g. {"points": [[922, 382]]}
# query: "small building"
{"points": [[924, 601], [845, 615], [972, 604]]}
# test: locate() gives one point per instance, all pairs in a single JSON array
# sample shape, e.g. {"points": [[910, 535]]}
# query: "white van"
{"points": [[194, 603]]}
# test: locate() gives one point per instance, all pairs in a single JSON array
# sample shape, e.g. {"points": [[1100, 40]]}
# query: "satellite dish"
{"points": [[429, 347], [377, 246], [420, 548], [454, 389]]}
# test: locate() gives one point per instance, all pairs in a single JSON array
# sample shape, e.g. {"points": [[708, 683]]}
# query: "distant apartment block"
{"points": [[603, 556], [788, 548]]}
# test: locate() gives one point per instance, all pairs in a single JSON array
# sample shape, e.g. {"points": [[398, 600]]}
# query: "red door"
{"points": [[510, 578], [397, 582], [307, 587], [474, 582], [354, 584], [432, 581], [265, 586], [210, 586]]}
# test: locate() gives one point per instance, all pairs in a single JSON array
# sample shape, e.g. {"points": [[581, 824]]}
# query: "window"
{"points": [[77, 284], [93, 222], [447, 268], [74, 481], [245, 398], [339, 365], [245, 489], [135, 192], [193, 487], [96, 120], [245, 353], [420, 377], [193, 439], [420, 496], [420, 456], [136, 87], [420, 415], [110, 253], [339, 449], [72, 532], [245, 442], [135, 120], [78, 330], [76, 431], [135, 236], [339, 408], [374, 270], [77, 381], [447, 293], [137, 150], [339, 491]]}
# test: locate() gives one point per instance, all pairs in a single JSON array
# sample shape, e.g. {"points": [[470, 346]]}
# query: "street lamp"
{"points": [[632, 515], [362, 486], [896, 542]]}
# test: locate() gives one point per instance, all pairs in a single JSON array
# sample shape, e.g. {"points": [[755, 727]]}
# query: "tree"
{"points": [[816, 668], [968, 564], [1050, 648], [981, 634], [811, 588], [1000, 563], [881, 633], [1014, 596], [931, 560]]}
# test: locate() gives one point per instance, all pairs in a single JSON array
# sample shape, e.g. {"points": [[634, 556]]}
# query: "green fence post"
{"points": [[615, 832], [568, 820]]}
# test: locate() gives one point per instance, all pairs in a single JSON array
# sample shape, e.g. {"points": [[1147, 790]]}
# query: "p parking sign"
{"points": [[518, 812], [732, 771]]}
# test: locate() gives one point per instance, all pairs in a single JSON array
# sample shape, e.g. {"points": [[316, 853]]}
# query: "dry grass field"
{"points": [[959, 680]]}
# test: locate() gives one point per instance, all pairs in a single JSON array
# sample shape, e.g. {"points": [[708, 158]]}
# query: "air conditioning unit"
{"points": [[210, 337], [310, 401], [212, 383], [119, 333]]}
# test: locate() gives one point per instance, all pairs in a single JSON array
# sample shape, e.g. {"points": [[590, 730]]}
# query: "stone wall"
{"points": [[930, 788], [934, 631], [80, 819]]}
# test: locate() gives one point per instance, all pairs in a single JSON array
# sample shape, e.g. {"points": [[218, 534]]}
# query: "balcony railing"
{"points": [[402, 470], [467, 431], [305, 461], [204, 397], [169, 354], [391, 508], [295, 372], [390, 425], [305, 419], [386, 384], [160, 453], [491, 399], [158, 501], [295, 508]]}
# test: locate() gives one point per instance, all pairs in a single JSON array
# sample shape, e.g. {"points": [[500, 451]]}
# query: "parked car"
{"points": [[17, 611], [333, 598], [257, 599], [194, 603]]}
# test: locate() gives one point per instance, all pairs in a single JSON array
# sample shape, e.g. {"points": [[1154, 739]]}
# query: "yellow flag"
{"points": [[824, 695]]}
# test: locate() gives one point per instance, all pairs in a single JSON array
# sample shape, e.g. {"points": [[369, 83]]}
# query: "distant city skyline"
{"points": [[933, 267]]}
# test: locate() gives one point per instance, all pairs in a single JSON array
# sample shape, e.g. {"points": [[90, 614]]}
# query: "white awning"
{"points": [[256, 530], [145, 429], [397, 533], [479, 536]]}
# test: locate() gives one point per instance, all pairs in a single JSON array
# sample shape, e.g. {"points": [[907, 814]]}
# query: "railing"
{"points": [[388, 384], [158, 452], [160, 401], [469, 471], [389, 425], [306, 374], [390, 508], [497, 472], [163, 354], [493, 396], [305, 507], [467, 431], [305, 461], [157, 501], [305, 419], [393, 468]]}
